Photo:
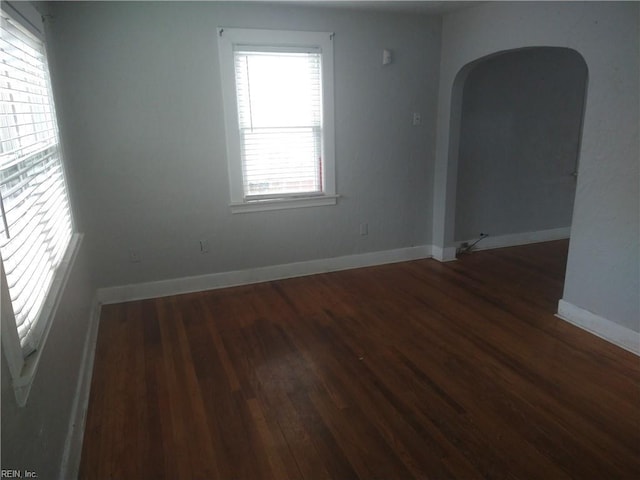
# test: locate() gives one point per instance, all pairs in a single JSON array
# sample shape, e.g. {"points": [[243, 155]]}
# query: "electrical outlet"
{"points": [[134, 256], [417, 119], [364, 229], [204, 246]]}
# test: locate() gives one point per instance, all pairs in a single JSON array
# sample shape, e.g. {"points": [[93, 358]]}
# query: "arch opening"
{"points": [[514, 145]]}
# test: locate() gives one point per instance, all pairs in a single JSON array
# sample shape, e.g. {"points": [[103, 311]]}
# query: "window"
{"points": [[278, 99], [36, 230]]}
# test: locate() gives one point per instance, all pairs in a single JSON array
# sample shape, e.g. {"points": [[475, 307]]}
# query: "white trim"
{"points": [[227, 39], [284, 203], [163, 288], [8, 331], [73, 444], [446, 254], [515, 239], [612, 332]]}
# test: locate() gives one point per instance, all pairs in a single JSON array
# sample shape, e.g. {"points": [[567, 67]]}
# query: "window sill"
{"points": [[283, 203]]}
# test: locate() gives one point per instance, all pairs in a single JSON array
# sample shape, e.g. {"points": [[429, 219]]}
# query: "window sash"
{"points": [[279, 105], [36, 227]]}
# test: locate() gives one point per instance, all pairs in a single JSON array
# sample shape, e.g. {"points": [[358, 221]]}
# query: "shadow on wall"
{"points": [[516, 129]]}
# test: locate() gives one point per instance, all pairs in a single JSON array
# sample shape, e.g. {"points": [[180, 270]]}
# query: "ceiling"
{"points": [[415, 6]]}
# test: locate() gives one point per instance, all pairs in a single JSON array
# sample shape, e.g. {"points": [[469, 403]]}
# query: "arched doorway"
{"points": [[516, 121]]}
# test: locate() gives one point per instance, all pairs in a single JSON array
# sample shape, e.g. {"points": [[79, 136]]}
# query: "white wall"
{"points": [[602, 271], [141, 105]]}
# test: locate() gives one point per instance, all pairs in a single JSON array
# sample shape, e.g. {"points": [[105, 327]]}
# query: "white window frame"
{"points": [[227, 39], [23, 369]]}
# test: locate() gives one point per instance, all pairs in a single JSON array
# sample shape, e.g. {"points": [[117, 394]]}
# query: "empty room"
{"points": [[320, 239]]}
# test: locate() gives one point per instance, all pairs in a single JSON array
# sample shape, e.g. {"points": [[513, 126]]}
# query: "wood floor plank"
{"points": [[411, 370], [178, 413]]}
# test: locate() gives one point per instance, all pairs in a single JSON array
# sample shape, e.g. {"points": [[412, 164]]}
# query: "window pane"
{"points": [[36, 221], [280, 161], [279, 97]]}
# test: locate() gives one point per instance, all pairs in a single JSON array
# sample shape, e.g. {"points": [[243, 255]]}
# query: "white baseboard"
{"points": [[163, 288], [515, 239], [73, 444], [446, 254], [612, 332]]}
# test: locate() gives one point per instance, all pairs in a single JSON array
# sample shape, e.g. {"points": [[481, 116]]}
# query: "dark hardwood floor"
{"points": [[411, 370]]}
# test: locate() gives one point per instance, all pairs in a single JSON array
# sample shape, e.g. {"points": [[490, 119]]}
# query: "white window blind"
{"points": [[36, 225], [279, 99]]}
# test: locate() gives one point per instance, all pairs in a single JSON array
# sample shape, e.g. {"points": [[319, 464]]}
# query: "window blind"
{"points": [[279, 96], [36, 225]]}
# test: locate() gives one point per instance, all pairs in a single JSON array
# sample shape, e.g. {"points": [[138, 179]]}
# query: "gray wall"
{"points": [[33, 437], [141, 105], [519, 141], [602, 271]]}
